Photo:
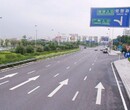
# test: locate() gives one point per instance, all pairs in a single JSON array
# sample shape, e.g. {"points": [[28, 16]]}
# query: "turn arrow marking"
{"points": [[7, 76], [99, 93], [65, 82], [30, 79]]}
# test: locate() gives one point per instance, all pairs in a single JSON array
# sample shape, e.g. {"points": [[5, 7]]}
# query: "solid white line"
{"points": [[33, 90], [90, 69], [85, 78], [121, 94], [68, 67], [76, 94], [31, 72], [56, 75], [4, 83]]}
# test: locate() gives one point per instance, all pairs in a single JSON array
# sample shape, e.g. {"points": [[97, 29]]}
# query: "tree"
{"points": [[6, 42], [1, 42]]}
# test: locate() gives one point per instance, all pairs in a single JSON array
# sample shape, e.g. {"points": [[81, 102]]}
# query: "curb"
{"points": [[123, 82]]}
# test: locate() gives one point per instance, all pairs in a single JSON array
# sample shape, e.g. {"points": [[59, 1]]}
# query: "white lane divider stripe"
{"points": [[68, 67], [4, 83], [76, 94], [75, 63], [48, 65], [93, 64], [31, 72], [33, 90], [90, 69], [56, 75], [85, 78]]}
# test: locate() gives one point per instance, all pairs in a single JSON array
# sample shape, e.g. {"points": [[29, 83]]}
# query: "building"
{"points": [[126, 32]]}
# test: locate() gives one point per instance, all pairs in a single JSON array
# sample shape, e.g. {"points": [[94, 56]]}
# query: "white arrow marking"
{"points": [[7, 76], [65, 82], [119, 21], [30, 79], [99, 93]]}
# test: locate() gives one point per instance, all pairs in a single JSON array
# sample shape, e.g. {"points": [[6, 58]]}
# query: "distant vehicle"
{"points": [[96, 49], [105, 51], [85, 47]]}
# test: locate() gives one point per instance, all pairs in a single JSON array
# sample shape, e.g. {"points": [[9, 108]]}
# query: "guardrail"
{"points": [[16, 63]]}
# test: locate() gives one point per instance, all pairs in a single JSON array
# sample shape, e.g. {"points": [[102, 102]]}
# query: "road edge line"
{"points": [[121, 94]]}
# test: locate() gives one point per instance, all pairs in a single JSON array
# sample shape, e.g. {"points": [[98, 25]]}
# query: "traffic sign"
{"points": [[110, 17], [127, 55]]}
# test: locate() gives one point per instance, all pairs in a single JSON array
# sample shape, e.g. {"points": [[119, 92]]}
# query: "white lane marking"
{"points": [[68, 67], [90, 69], [65, 82], [58, 61], [48, 66], [56, 75], [85, 78], [76, 94], [7, 76], [33, 90], [4, 83], [31, 72], [93, 64], [75, 63], [121, 94], [99, 93], [30, 79]]}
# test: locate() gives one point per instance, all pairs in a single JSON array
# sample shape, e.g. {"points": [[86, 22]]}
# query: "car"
{"points": [[105, 51], [96, 49]]}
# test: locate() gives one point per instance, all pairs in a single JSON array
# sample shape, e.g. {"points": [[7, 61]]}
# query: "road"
{"points": [[79, 81]]}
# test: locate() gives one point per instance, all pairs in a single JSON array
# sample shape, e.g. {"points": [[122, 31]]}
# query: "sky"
{"points": [[53, 17]]}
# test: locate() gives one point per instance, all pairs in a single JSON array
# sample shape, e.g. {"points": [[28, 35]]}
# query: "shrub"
{"points": [[29, 49], [20, 49]]}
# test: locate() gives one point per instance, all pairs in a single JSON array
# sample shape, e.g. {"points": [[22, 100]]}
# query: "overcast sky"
{"points": [[52, 17]]}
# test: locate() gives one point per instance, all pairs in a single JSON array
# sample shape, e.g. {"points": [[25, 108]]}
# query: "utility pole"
{"points": [[35, 37]]}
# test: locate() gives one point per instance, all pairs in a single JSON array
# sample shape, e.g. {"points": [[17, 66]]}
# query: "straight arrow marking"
{"points": [[7, 76], [65, 82], [99, 93], [30, 79]]}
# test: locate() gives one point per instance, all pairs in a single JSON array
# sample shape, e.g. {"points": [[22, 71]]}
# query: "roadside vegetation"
{"points": [[26, 49], [123, 41]]}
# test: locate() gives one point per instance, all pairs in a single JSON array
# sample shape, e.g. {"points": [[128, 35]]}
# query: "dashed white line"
{"points": [[93, 64], [56, 75], [85, 78], [75, 63], [48, 66], [68, 67], [90, 69], [33, 90], [4, 82], [76, 94], [31, 72]]}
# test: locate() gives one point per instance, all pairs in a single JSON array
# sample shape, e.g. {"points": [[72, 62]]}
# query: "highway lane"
{"points": [[84, 70]]}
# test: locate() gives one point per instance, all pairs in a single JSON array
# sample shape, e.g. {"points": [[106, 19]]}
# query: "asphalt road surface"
{"points": [[79, 81]]}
